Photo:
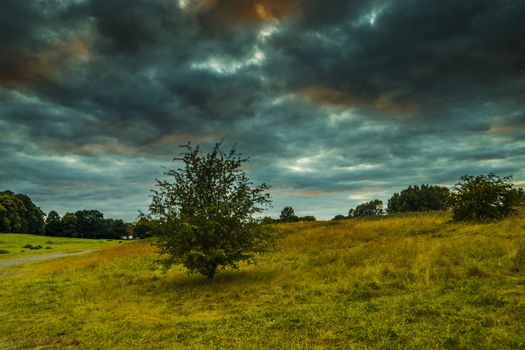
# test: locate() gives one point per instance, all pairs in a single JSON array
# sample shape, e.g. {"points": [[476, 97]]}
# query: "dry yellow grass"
{"points": [[412, 281]]}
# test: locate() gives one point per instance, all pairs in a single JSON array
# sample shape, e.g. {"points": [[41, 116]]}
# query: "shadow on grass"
{"points": [[229, 278]]}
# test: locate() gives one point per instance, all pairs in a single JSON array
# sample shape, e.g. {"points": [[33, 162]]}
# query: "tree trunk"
{"points": [[210, 272]]}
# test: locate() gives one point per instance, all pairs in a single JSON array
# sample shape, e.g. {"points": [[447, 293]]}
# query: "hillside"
{"points": [[413, 281]]}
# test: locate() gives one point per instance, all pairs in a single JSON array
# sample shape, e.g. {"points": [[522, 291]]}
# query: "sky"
{"points": [[336, 102]]}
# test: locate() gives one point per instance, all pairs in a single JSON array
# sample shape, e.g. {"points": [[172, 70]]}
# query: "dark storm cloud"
{"points": [[335, 101]]}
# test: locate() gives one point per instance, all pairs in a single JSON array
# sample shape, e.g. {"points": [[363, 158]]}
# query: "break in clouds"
{"points": [[336, 102]]}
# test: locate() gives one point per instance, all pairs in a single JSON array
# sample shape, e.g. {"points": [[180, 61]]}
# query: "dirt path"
{"points": [[18, 261]]}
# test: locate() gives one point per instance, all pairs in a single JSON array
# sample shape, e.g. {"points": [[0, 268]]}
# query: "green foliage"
{"points": [[53, 226], [69, 225], [19, 214], [114, 229], [32, 216], [204, 215], [307, 218], [3, 251], [85, 224], [484, 198], [339, 217], [288, 215], [416, 198], [90, 224], [372, 208], [143, 227]]}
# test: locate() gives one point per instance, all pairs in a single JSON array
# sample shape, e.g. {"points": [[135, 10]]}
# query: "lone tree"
{"points": [[288, 215], [484, 198], [204, 215]]}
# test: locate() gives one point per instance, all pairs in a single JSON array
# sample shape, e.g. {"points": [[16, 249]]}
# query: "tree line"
{"points": [[18, 214], [474, 198]]}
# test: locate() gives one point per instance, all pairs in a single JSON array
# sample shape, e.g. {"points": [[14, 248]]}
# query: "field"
{"points": [[404, 282], [16, 245]]}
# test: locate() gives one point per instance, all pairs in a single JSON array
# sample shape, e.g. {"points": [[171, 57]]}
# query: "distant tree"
{"points": [[339, 217], [53, 226], [372, 208], [19, 214], [484, 198], [416, 198], [205, 214], [90, 223], [143, 227], [32, 216], [114, 229], [288, 215], [307, 218], [69, 225], [10, 213]]}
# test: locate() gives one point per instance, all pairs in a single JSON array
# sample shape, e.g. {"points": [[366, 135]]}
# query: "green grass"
{"points": [[404, 282], [14, 244]]}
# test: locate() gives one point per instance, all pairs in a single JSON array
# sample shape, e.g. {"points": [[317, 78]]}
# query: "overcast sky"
{"points": [[336, 102]]}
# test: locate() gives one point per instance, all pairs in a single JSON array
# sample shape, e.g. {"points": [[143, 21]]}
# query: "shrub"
{"points": [[484, 198], [419, 198], [28, 246], [339, 217], [2, 251], [371, 208]]}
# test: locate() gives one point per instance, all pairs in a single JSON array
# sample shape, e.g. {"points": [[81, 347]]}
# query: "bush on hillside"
{"points": [[419, 198], [288, 215], [371, 208], [484, 198]]}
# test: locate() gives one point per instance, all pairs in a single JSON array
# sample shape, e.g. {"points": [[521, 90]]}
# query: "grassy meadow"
{"points": [[16, 245], [403, 282]]}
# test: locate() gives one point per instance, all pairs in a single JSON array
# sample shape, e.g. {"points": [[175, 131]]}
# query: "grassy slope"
{"points": [[402, 282], [14, 243]]}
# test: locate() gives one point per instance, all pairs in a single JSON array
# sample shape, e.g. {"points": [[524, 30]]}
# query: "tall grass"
{"points": [[403, 282]]}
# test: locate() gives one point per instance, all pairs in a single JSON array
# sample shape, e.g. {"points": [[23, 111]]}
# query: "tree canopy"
{"points": [[419, 198], [484, 198], [288, 215], [205, 211], [371, 208], [18, 214]]}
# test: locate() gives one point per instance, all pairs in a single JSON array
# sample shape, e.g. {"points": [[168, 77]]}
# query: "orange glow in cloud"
{"points": [[21, 67], [247, 11], [113, 146], [337, 98]]}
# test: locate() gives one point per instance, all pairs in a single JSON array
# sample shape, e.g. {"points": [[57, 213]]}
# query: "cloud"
{"points": [[336, 98], [240, 11], [334, 101], [19, 68]]}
